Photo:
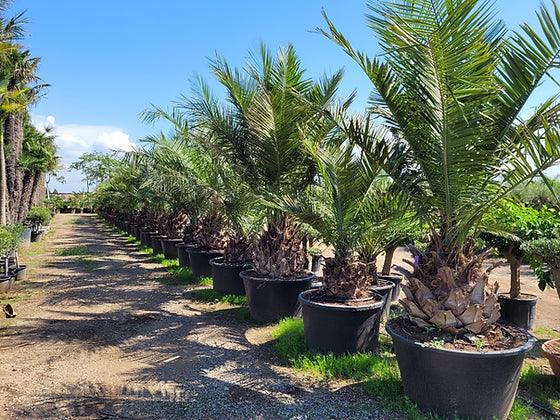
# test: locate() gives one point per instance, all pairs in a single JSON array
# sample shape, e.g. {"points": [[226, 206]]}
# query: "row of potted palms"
{"points": [[252, 179]]}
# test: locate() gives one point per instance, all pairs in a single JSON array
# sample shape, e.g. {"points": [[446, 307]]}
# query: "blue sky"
{"points": [[108, 60]]}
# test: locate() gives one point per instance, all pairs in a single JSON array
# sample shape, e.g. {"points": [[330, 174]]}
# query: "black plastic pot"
{"points": [[200, 261], [37, 236], [396, 279], [156, 244], [384, 288], [169, 246], [183, 254], [21, 273], [520, 311], [458, 384], [146, 237], [225, 277], [273, 299], [338, 328]]}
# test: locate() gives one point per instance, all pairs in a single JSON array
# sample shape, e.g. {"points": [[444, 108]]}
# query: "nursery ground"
{"points": [[103, 332]]}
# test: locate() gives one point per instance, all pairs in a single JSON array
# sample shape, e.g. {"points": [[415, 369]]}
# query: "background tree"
{"points": [[95, 166]]}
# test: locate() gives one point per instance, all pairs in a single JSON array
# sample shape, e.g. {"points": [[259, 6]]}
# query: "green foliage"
{"points": [[10, 238], [38, 150], [39, 215], [459, 155], [539, 193], [211, 296], [545, 249], [541, 387], [510, 224], [95, 166]]}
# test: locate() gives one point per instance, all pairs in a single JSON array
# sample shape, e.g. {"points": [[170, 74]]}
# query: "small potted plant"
{"points": [[209, 240], [38, 219], [547, 252], [345, 208], [519, 223]]}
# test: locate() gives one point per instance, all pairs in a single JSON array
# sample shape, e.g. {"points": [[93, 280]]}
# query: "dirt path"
{"points": [[106, 339]]}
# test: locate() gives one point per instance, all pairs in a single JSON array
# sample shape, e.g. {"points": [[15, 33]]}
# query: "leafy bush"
{"points": [[10, 237], [39, 216], [545, 250]]}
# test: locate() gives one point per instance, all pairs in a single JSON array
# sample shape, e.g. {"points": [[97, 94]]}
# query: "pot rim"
{"points": [[391, 277], [252, 275], [173, 239], [547, 351], [185, 245], [304, 300], [209, 251], [531, 297], [388, 286], [222, 263], [461, 353]]}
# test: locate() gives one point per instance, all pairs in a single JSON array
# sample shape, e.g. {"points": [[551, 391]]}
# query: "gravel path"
{"points": [[109, 335]]}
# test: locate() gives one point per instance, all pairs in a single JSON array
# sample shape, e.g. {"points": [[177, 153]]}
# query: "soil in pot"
{"points": [[200, 261], [156, 244], [396, 279], [384, 288], [551, 350], [225, 276], [339, 327], [457, 377], [169, 246], [269, 299], [520, 311]]}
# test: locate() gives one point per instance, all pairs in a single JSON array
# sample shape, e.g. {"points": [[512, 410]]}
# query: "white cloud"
{"points": [[72, 140]]}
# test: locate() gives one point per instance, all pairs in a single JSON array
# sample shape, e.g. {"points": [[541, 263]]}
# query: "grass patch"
{"points": [[547, 333], [205, 281], [80, 222], [132, 239], [380, 374], [211, 296], [541, 388], [73, 251]]}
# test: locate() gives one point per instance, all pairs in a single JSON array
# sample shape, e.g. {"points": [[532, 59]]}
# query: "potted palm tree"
{"points": [[350, 209], [269, 101], [450, 86]]}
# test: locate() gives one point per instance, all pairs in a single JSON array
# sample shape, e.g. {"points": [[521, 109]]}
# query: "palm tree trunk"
{"points": [[34, 199], [389, 252], [3, 185], [25, 195], [13, 128], [515, 275]]}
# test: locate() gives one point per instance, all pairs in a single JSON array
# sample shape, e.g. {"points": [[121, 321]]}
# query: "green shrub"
{"points": [[39, 216], [545, 250]]}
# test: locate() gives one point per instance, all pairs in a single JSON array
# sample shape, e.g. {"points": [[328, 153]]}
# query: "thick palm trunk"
{"points": [[13, 128], [515, 276], [3, 185], [388, 262], [35, 187], [25, 195]]}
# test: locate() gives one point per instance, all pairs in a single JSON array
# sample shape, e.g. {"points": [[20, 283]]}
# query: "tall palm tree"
{"points": [[450, 85]]}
